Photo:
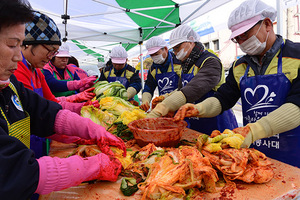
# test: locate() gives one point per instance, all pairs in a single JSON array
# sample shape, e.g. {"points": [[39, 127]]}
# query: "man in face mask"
{"points": [[267, 81], [201, 74], [163, 74]]}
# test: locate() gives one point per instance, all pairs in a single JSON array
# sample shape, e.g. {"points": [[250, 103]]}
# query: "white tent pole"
{"points": [[95, 14], [65, 17], [87, 36], [153, 8], [150, 17], [182, 22], [159, 24], [279, 17], [134, 12], [142, 66], [114, 12]]}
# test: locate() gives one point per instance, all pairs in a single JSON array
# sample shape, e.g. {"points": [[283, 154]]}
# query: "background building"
{"points": [[229, 51]]}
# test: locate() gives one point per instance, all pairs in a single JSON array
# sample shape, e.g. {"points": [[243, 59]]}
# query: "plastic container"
{"points": [[163, 132]]}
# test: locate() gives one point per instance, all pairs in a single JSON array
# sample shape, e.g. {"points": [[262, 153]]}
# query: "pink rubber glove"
{"points": [[69, 123], [61, 173], [74, 107], [86, 95], [65, 138], [81, 84]]}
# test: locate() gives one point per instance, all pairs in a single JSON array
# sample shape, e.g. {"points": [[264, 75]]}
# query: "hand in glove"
{"points": [[145, 106], [93, 103], [187, 110], [86, 95], [133, 102], [251, 132], [61, 173], [82, 84], [168, 106], [69, 123], [157, 100]]}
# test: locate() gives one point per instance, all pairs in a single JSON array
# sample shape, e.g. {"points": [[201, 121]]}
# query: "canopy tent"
{"points": [[99, 25], [96, 26]]}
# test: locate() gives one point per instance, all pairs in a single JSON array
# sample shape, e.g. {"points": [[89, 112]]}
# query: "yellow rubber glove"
{"points": [[131, 91], [284, 118], [210, 107]]}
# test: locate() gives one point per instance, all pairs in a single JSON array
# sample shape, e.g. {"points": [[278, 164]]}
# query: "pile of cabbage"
{"points": [[115, 112], [105, 89]]}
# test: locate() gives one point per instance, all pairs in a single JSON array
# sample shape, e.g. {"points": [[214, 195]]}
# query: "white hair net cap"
{"points": [[154, 44], [247, 15], [183, 33], [63, 51], [118, 55]]}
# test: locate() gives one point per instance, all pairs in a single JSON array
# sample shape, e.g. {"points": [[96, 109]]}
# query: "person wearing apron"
{"points": [[122, 72], [226, 120], [202, 73], [271, 91], [24, 112], [33, 79], [164, 72], [66, 79], [267, 81], [39, 145]]}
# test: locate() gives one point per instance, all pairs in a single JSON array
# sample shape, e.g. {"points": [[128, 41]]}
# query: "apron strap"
{"points": [[70, 74], [280, 59]]}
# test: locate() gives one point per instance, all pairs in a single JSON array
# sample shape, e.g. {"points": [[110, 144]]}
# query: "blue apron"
{"points": [[37, 144], [167, 82], [226, 120], [261, 95], [122, 80]]}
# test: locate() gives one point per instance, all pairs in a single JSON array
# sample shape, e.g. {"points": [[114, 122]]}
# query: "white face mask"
{"points": [[182, 53], [158, 59], [253, 46]]}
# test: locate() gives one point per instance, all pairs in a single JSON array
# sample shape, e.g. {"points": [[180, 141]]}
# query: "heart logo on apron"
{"points": [[261, 92], [164, 82]]}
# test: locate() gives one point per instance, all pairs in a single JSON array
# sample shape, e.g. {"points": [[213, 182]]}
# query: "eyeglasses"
{"points": [[177, 47], [50, 53], [244, 36]]}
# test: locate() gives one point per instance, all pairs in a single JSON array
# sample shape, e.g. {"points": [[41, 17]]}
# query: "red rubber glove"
{"points": [[82, 84], [133, 102], [145, 106], [93, 103], [187, 110], [157, 100], [61, 173], [69, 123], [86, 95]]}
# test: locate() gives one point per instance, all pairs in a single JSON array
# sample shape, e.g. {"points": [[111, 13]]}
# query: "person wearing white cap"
{"points": [[164, 72], [122, 72], [267, 80], [202, 73], [66, 79]]}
